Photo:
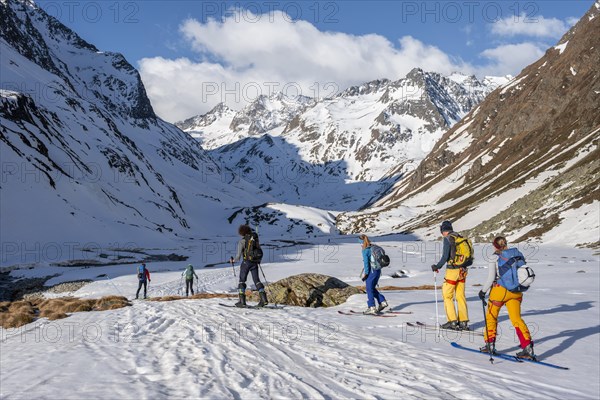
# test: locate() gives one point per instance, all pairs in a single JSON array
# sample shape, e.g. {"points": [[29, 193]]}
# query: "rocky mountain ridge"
{"points": [[524, 163], [364, 137]]}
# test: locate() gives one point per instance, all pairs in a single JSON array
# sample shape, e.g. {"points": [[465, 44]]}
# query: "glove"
{"points": [[363, 276], [482, 295], [434, 268]]}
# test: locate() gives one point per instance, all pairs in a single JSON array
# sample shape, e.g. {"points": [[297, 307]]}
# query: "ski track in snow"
{"points": [[198, 349], [170, 353]]}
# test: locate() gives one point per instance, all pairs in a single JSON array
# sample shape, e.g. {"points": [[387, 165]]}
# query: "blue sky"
{"points": [[186, 49]]}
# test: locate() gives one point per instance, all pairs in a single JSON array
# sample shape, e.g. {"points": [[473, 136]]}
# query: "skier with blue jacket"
{"points": [[371, 277], [143, 277]]}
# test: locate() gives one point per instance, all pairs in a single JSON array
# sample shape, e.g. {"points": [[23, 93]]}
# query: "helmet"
{"points": [[526, 276]]}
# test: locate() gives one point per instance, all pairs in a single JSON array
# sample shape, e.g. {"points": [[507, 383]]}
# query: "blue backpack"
{"points": [[141, 273], [513, 273]]}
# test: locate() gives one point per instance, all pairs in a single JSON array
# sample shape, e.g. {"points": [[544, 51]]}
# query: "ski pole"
{"points": [[112, 283], [180, 286], [437, 315], [487, 334], [266, 281], [232, 265]]}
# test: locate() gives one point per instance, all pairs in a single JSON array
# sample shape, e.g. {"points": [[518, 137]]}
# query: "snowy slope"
{"points": [[523, 163], [344, 150], [196, 348], [85, 159]]}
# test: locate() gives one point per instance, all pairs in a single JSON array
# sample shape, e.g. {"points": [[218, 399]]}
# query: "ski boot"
{"points": [[242, 302], [452, 325], [489, 348], [464, 326], [527, 352], [263, 299], [382, 305], [370, 311]]}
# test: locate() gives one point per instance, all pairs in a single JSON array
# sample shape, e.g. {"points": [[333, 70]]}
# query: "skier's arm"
{"points": [[445, 254], [492, 268], [240, 251], [147, 275], [366, 253]]}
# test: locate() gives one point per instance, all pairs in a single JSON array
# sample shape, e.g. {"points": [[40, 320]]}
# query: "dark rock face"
{"points": [[309, 290], [20, 26]]}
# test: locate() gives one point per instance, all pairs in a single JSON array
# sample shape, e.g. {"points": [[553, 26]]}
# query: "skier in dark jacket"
{"points": [[245, 249], [143, 277], [454, 282], [189, 274]]}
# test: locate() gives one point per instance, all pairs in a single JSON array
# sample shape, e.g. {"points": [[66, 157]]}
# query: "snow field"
{"points": [[197, 348]]}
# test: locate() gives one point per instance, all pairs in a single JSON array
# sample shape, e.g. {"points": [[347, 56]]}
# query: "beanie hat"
{"points": [[446, 227], [499, 242]]}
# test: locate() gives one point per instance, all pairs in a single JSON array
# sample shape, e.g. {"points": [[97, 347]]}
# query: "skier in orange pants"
{"points": [[500, 296]]}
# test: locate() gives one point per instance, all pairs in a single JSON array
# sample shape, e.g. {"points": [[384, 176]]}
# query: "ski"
{"points": [[384, 312], [357, 314], [434, 328], [270, 307], [509, 357]]}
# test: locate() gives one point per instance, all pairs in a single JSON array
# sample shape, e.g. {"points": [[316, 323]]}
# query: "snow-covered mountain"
{"points": [[338, 153], [222, 125], [523, 163], [84, 157]]}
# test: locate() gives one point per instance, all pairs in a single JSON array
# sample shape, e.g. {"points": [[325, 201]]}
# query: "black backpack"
{"points": [[252, 250]]}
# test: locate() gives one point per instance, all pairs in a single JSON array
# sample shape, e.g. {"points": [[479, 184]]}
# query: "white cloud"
{"points": [[537, 26], [510, 58], [240, 58]]}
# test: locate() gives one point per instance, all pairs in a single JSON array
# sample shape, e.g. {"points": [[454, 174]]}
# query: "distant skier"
{"points": [[143, 277], [189, 274], [249, 251], [500, 296], [454, 255], [371, 277]]}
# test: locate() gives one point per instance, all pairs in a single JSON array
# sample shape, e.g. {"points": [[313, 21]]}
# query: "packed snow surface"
{"points": [[199, 349]]}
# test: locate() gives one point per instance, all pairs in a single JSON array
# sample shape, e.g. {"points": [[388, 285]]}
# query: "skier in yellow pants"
{"points": [[500, 296], [454, 282], [454, 287]]}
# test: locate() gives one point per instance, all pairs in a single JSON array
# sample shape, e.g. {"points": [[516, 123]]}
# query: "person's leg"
{"points": [[513, 306], [259, 285], [448, 293], [244, 270], [461, 301], [139, 288], [192, 286], [376, 294], [256, 277], [371, 283], [495, 303]]}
